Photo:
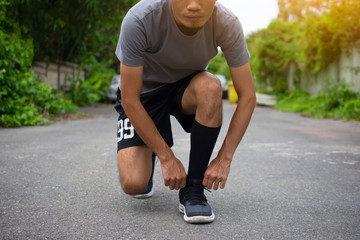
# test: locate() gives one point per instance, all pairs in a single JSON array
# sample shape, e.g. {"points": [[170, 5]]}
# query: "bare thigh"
{"points": [[135, 167]]}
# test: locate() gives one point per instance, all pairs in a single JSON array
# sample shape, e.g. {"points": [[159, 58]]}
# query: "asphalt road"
{"points": [[291, 178]]}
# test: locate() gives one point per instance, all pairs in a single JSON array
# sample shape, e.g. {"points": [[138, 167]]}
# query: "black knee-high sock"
{"points": [[202, 144]]}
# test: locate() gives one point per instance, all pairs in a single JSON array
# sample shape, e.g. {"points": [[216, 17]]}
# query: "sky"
{"points": [[253, 14]]}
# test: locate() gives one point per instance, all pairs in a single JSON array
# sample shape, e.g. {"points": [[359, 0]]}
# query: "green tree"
{"points": [[309, 33], [290, 10], [272, 50], [70, 30], [329, 34], [80, 31], [24, 100]]}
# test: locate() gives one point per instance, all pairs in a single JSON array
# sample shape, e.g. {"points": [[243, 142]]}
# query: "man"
{"points": [[164, 48]]}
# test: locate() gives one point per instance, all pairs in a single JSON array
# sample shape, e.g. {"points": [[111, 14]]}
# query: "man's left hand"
{"points": [[216, 174]]}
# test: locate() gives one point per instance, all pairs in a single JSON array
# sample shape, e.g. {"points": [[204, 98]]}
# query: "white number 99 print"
{"points": [[125, 129]]}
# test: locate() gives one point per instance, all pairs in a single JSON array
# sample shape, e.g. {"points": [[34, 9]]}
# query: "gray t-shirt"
{"points": [[149, 37]]}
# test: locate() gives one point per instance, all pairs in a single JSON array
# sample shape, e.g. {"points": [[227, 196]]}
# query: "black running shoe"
{"points": [[193, 203], [149, 190]]}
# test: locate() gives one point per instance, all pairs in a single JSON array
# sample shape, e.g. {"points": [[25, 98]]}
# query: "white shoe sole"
{"points": [[145, 195], [196, 219]]}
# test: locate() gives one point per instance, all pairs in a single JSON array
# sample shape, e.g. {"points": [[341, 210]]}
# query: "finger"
{"points": [[205, 180], [178, 184], [222, 185], [183, 182], [210, 183], [216, 184], [208, 180], [166, 182], [181, 179], [172, 184]]}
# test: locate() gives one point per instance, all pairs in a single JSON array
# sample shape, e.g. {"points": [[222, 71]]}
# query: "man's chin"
{"points": [[192, 28]]}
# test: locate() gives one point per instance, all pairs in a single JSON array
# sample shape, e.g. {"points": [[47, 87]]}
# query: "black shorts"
{"points": [[159, 104]]}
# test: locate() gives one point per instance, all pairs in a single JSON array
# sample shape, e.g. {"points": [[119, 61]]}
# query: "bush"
{"points": [[327, 35], [100, 75], [310, 42], [92, 90], [218, 65], [272, 50], [81, 93], [24, 99], [336, 102]]}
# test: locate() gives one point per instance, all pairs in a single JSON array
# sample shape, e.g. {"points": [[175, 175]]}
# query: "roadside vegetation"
{"points": [[310, 34], [337, 102], [25, 100], [82, 32]]}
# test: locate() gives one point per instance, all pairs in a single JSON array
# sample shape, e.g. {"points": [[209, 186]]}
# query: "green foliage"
{"points": [[272, 50], [218, 65], [92, 90], [100, 74], [70, 30], [327, 35], [299, 9], [82, 94], [293, 101], [309, 34], [84, 32], [24, 99], [336, 102]]}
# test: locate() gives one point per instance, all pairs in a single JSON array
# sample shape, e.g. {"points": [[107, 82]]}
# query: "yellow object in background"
{"points": [[233, 97]]}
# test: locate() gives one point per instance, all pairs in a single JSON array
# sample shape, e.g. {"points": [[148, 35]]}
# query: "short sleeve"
{"points": [[231, 39], [132, 41]]}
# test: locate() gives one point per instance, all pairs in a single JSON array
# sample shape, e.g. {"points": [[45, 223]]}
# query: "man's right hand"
{"points": [[131, 86], [174, 173]]}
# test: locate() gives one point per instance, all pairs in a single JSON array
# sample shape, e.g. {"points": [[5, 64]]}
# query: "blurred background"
{"points": [[57, 55]]}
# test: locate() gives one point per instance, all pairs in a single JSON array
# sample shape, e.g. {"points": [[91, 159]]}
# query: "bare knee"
{"points": [[135, 167], [210, 90], [133, 186], [209, 101], [215, 89]]}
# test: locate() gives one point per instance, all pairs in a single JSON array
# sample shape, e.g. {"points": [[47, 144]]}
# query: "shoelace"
{"points": [[195, 194]]}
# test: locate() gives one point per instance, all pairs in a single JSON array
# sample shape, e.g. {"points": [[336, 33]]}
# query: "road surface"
{"points": [[291, 178]]}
